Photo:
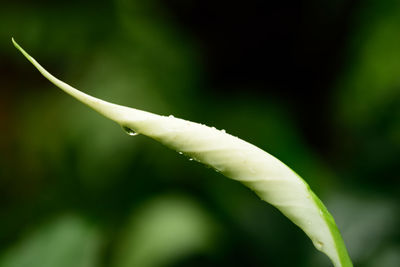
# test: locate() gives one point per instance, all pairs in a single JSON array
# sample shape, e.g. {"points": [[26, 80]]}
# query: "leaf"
{"points": [[268, 177], [66, 241], [186, 229]]}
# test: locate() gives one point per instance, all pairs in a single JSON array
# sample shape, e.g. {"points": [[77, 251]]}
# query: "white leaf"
{"points": [[270, 179]]}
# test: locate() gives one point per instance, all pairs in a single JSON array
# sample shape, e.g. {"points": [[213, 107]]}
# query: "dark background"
{"points": [[315, 83]]}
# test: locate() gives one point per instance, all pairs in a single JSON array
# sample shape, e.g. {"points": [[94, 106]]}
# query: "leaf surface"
{"points": [[268, 177]]}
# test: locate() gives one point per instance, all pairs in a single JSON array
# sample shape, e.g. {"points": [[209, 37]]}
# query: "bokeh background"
{"points": [[315, 83]]}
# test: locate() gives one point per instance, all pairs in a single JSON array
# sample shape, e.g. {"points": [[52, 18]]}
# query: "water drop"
{"points": [[319, 245], [171, 116], [218, 169], [129, 131], [223, 130], [180, 153], [190, 159]]}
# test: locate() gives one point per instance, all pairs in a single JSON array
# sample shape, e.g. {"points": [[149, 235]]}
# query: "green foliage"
{"points": [[56, 157], [66, 241], [163, 231]]}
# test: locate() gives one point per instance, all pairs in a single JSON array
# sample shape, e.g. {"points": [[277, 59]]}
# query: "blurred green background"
{"points": [[315, 83]]}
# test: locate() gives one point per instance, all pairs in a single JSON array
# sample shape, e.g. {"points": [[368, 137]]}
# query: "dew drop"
{"points": [[218, 169], [171, 116], [180, 153], [319, 244], [129, 131], [190, 159]]}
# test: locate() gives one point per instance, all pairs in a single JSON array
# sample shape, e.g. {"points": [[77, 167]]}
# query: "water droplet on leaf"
{"points": [[319, 245], [129, 131]]}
